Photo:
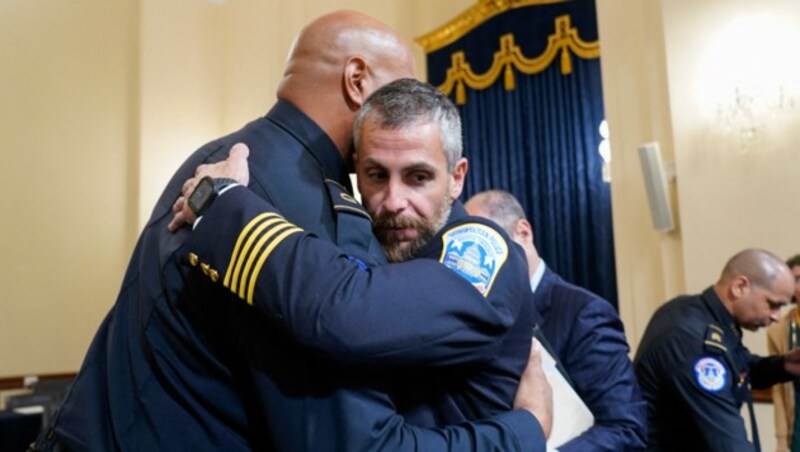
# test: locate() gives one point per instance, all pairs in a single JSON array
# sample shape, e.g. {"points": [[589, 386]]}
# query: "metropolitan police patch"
{"points": [[711, 374], [476, 252]]}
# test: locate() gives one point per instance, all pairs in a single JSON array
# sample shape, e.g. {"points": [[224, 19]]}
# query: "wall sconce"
{"points": [[746, 79], [746, 115], [604, 149]]}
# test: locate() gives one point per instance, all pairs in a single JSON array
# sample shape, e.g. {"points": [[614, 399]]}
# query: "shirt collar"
{"points": [[312, 137], [537, 275]]}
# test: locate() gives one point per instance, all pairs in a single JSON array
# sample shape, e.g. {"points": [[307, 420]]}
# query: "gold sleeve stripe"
{"points": [[252, 253], [252, 286], [250, 245], [233, 267]]}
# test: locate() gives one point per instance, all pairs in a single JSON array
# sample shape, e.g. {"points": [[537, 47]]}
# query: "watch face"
{"points": [[202, 195]]}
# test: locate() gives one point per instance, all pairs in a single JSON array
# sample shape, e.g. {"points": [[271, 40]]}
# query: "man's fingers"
{"points": [[239, 151], [178, 206], [189, 185], [176, 223]]}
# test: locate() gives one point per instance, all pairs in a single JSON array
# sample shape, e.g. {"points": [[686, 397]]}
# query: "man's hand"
{"points": [[791, 362], [534, 393], [234, 167]]}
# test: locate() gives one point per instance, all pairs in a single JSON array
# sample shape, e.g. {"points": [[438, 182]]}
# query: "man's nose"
{"points": [[396, 198]]}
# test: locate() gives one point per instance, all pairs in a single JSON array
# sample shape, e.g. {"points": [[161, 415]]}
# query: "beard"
{"points": [[397, 250]]}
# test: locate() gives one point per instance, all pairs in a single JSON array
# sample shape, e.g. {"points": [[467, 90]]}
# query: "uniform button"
{"points": [[205, 267], [193, 259], [214, 275]]}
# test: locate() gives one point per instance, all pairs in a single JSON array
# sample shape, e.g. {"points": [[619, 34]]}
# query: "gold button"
{"points": [[193, 259], [205, 268], [214, 275]]}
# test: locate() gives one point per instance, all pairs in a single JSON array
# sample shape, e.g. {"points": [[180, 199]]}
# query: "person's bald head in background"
{"points": [[753, 286], [335, 63]]}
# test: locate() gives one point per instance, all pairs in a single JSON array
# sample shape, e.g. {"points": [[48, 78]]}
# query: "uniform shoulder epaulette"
{"points": [[714, 340], [343, 201], [476, 252]]}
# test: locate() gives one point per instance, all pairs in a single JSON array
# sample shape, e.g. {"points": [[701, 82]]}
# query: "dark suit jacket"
{"points": [[587, 336]]}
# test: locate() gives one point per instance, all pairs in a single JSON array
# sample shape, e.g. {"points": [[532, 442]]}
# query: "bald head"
{"points": [[760, 266], [753, 286], [335, 63], [504, 209]]}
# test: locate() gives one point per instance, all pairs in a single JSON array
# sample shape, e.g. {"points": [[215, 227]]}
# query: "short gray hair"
{"points": [[405, 102], [499, 206]]}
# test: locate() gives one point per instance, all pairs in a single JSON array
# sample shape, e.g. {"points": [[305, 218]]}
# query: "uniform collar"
{"points": [[720, 313], [313, 138]]}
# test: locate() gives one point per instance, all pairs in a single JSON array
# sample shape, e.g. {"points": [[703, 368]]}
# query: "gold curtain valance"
{"points": [[510, 57], [471, 18]]}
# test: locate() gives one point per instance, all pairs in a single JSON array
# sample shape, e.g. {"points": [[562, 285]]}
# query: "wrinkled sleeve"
{"points": [[510, 431], [415, 312], [599, 366], [716, 413]]}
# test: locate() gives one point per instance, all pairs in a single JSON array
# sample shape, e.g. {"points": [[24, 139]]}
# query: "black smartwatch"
{"points": [[206, 192]]}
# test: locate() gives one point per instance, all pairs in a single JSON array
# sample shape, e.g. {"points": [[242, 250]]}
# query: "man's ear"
{"points": [[523, 230], [740, 286], [458, 175], [356, 73]]}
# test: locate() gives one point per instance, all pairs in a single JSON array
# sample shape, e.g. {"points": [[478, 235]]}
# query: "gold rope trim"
{"points": [[471, 18], [562, 41]]}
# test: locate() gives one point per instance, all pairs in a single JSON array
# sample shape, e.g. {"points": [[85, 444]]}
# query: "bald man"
{"points": [[693, 369], [584, 333], [178, 364]]}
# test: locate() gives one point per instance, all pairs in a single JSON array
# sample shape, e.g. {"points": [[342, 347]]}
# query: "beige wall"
{"points": [[67, 86]]}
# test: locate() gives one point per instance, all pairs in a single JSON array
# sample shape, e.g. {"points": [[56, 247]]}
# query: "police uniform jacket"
{"points": [[166, 370], [695, 374], [587, 337], [392, 319]]}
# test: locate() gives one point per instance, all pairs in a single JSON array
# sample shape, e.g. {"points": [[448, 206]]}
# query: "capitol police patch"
{"points": [[476, 252], [711, 374]]}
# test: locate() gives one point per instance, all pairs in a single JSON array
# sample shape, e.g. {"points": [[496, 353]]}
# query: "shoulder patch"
{"points": [[713, 342], [343, 201], [710, 374], [476, 252]]}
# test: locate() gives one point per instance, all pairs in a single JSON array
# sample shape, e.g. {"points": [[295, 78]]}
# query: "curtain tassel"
{"points": [[566, 62], [461, 93], [508, 76]]}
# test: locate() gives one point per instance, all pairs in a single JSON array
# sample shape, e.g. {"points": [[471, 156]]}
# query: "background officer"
{"points": [[585, 334], [694, 370]]}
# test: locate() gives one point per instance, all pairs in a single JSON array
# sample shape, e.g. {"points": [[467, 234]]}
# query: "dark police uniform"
{"points": [[165, 372], [695, 373], [587, 336], [382, 317]]}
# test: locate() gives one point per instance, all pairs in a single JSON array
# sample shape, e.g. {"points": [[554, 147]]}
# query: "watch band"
{"points": [[206, 191]]}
